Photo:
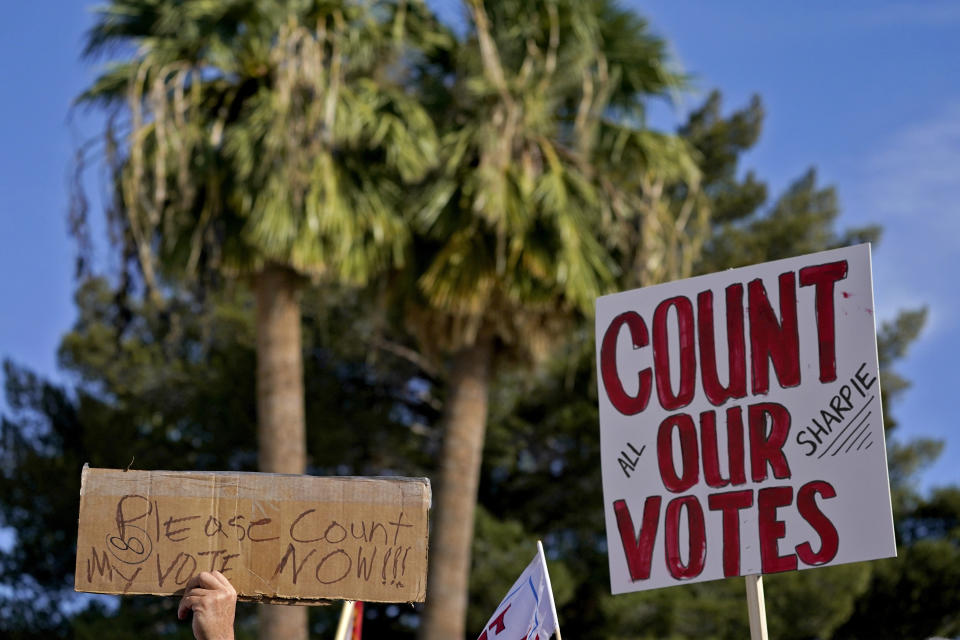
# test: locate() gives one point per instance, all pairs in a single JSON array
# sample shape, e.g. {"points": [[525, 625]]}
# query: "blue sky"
{"points": [[866, 92]]}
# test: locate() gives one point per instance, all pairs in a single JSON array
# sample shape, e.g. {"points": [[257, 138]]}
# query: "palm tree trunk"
{"points": [[281, 430], [465, 421]]}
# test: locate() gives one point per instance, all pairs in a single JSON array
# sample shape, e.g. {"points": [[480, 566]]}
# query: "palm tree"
{"points": [[511, 235], [266, 140]]}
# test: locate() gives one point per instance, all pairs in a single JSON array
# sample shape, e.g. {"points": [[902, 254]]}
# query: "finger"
{"points": [[194, 581], [224, 584], [199, 592], [221, 579], [208, 580], [185, 606], [191, 599]]}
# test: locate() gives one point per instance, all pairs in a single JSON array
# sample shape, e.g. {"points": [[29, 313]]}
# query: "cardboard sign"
{"points": [[740, 423], [297, 539]]}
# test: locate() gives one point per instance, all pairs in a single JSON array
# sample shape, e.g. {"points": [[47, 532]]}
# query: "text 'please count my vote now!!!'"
{"points": [[277, 538]]}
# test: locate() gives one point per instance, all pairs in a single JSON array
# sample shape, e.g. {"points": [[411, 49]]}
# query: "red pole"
{"points": [[357, 621]]}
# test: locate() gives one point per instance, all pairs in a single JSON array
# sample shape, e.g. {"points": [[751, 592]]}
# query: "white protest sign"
{"points": [[740, 423]]}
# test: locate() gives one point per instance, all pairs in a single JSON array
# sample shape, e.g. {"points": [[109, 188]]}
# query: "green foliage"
{"points": [[142, 397], [800, 221], [893, 340], [501, 551], [812, 604], [262, 132], [720, 141], [912, 596], [510, 231]]}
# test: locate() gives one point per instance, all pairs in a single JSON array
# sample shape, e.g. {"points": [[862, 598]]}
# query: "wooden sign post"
{"points": [[346, 620], [277, 538], [756, 610], [740, 425]]}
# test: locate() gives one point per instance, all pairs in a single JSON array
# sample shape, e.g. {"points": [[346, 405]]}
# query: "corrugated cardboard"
{"points": [[297, 539]]}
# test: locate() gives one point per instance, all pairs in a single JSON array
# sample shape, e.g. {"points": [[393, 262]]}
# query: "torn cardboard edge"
{"points": [[278, 538]]}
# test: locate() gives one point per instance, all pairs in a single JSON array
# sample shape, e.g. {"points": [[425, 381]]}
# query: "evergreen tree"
{"points": [[541, 466], [172, 388]]}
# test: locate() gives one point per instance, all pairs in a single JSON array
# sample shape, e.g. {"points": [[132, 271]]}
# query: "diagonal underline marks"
{"points": [[856, 431], [864, 435], [844, 430]]}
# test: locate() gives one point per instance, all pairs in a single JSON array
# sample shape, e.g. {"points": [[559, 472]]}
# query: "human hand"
{"points": [[213, 601]]}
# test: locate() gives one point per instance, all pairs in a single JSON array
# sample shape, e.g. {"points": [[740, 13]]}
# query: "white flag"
{"points": [[528, 612]]}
